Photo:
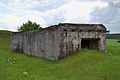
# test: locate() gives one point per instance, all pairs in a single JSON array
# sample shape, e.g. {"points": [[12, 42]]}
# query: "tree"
{"points": [[29, 26]]}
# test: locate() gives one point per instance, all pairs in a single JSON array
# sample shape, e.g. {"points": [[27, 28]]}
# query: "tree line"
{"points": [[113, 36]]}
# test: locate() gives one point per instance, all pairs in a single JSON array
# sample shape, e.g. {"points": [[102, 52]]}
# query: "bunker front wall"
{"points": [[39, 43], [71, 39]]}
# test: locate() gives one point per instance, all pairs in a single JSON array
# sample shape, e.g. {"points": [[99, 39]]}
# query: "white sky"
{"points": [[14, 13]]}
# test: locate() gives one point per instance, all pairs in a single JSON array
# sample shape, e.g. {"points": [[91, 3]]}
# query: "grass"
{"points": [[84, 65], [113, 47]]}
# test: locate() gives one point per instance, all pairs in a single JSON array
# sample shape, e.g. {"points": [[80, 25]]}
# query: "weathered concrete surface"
{"points": [[58, 41], [43, 44]]}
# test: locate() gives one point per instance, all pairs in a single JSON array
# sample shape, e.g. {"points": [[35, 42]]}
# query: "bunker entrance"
{"points": [[89, 43]]}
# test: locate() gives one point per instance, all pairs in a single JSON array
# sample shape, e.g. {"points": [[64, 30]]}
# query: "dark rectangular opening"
{"points": [[89, 43]]}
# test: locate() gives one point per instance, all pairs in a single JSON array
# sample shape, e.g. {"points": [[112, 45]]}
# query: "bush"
{"points": [[29, 26]]}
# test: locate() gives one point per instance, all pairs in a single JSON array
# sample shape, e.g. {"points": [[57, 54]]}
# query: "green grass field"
{"points": [[84, 65]]}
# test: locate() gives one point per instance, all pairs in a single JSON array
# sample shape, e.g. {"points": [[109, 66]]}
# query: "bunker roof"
{"points": [[82, 27], [97, 27]]}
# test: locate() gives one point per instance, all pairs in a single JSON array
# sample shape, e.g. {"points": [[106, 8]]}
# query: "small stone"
{"points": [[13, 61], [25, 73], [8, 60]]}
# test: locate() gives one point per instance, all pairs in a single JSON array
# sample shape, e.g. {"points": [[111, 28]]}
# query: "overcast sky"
{"points": [[49, 12]]}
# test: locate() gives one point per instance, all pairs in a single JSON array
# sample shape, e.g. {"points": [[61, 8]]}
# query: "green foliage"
{"points": [[84, 65], [29, 26]]}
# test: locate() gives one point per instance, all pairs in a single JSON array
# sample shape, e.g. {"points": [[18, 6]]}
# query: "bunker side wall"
{"points": [[43, 44]]}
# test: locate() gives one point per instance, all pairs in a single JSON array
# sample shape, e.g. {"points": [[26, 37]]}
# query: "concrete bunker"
{"points": [[57, 41]]}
